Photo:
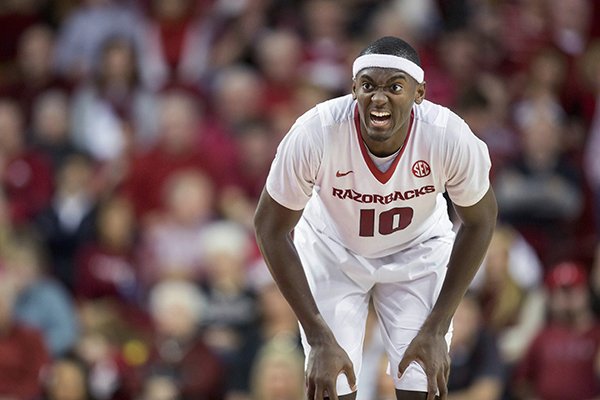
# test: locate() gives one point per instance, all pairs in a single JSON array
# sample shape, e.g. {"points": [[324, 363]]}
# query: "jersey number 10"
{"points": [[389, 221]]}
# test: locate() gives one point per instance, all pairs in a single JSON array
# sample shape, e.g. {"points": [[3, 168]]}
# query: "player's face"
{"points": [[385, 98]]}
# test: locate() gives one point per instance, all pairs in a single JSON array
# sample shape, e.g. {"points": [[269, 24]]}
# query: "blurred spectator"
{"points": [[241, 25], [477, 370], [238, 97], [41, 301], [524, 29], [177, 308], [67, 379], [278, 57], [23, 354], [277, 317], [159, 386], [105, 266], [256, 148], [591, 71], [15, 17], [172, 246], [51, 133], [574, 26], [81, 35], [112, 348], [231, 322], [25, 174], [34, 73], [507, 287], [546, 75], [178, 149], [455, 66], [386, 20], [178, 38], [68, 222], [326, 44], [570, 22], [417, 21], [562, 362], [482, 106], [550, 79], [278, 372], [485, 23], [113, 114], [540, 193]]}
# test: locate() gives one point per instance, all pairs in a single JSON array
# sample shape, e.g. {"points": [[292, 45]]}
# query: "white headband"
{"points": [[388, 61]]}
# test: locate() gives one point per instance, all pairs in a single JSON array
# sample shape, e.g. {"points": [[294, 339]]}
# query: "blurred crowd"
{"points": [[136, 135]]}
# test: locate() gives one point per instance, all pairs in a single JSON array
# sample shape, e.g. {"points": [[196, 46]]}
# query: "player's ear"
{"points": [[420, 92], [354, 89]]}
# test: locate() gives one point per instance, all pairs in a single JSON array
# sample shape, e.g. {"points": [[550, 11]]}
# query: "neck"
{"points": [[387, 147]]}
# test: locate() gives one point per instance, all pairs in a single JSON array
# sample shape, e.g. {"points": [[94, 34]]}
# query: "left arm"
{"points": [[429, 347]]}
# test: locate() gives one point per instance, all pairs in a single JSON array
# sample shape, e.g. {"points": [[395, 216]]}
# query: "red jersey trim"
{"points": [[382, 177]]}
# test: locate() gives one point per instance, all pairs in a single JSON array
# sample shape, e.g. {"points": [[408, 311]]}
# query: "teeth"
{"points": [[380, 113]]}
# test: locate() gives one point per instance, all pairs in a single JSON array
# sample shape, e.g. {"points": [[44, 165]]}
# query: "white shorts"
{"points": [[404, 287]]}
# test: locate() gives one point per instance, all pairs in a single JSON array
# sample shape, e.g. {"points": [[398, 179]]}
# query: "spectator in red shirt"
{"points": [[256, 146], [279, 56], [562, 361], [22, 351], [178, 149], [25, 175], [177, 42], [34, 70], [105, 267]]}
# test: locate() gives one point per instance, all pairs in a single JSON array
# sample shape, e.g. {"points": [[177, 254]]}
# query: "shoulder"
{"points": [[448, 128], [336, 111], [326, 116], [437, 116]]}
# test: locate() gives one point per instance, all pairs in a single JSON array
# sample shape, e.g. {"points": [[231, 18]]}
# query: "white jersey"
{"points": [[323, 166]]}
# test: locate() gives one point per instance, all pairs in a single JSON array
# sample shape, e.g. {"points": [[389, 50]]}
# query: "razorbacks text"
{"points": [[377, 198]]}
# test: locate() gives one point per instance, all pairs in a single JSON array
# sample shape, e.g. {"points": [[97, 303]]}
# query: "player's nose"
{"points": [[379, 96]]}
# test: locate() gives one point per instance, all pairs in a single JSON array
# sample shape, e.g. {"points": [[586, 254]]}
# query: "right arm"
{"points": [[274, 224]]}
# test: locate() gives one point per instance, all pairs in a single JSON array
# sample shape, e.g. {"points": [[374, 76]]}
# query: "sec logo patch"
{"points": [[421, 169]]}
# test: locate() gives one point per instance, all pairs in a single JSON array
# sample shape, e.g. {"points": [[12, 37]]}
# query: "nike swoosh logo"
{"points": [[340, 174]]}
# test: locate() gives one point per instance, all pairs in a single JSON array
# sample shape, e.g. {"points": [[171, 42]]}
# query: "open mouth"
{"points": [[380, 118]]}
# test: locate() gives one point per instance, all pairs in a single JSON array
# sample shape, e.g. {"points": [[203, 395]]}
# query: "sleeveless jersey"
{"points": [[323, 166]]}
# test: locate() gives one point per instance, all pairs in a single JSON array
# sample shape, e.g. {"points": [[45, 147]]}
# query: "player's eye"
{"points": [[396, 87], [367, 86]]}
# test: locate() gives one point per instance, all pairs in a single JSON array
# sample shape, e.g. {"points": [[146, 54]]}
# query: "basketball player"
{"points": [[360, 179]]}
